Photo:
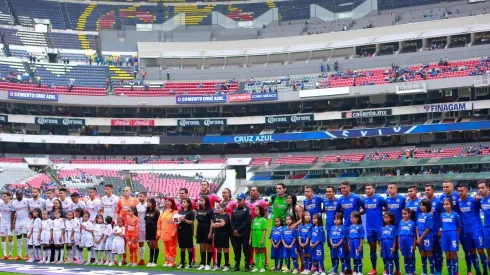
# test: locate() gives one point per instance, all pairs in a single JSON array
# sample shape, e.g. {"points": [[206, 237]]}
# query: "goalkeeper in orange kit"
{"points": [[132, 235]]}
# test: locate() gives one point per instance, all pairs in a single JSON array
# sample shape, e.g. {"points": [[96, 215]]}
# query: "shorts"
{"points": [[318, 253], [353, 248], [202, 234], [372, 236], [99, 246], [21, 228], [386, 246], [68, 236], [30, 241], [87, 240], [5, 231], [427, 243], [142, 236], [337, 252], [291, 252], [118, 246], [108, 243], [77, 239], [34, 239], [222, 240], [473, 239], [56, 237], [45, 237], [450, 241], [406, 245], [486, 238], [306, 250], [277, 253]]}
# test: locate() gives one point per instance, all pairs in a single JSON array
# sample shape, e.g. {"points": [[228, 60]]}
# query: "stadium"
{"points": [[282, 104]]}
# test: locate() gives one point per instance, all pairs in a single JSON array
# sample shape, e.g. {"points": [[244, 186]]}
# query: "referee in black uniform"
{"points": [[240, 226]]}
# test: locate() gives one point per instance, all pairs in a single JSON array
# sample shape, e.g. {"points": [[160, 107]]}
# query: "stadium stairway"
{"points": [[64, 12], [82, 20], [14, 14], [116, 73]]}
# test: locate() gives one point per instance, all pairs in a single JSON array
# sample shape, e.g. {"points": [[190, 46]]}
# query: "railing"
{"points": [[411, 87], [481, 81]]}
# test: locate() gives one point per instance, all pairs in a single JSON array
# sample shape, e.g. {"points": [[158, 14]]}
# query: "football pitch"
{"points": [[366, 261]]}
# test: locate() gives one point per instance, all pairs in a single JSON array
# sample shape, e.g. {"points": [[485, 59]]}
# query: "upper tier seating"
{"points": [[72, 41], [260, 161], [102, 161], [15, 176], [61, 75], [5, 13], [84, 178], [178, 88], [27, 10], [201, 161], [11, 160], [296, 159], [343, 157]]}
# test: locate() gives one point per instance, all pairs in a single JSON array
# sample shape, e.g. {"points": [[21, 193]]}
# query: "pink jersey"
{"points": [[230, 205], [179, 206], [213, 199], [253, 203]]}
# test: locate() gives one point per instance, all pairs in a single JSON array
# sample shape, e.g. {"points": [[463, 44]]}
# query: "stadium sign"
{"points": [[200, 99], [253, 97], [445, 107], [367, 113], [4, 119], [133, 122], [201, 122], [32, 96], [77, 122], [272, 120]]}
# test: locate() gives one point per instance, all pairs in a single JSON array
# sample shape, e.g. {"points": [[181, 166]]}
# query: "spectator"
{"points": [[168, 74]]}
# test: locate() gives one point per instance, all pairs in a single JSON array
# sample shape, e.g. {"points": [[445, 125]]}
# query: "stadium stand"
{"points": [[79, 75]]}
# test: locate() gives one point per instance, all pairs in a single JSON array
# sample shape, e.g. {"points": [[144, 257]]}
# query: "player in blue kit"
{"points": [[387, 241], [484, 190], [348, 204], [304, 231], [317, 241], [312, 204], [356, 240], [277, 249], [436, 210], [449, 192], [289, 237], [450, 229], [406, 240], [373, 208], [473, 227], [330, 209], [424, 235], [395, 203], [413, 201], [337, 236]]}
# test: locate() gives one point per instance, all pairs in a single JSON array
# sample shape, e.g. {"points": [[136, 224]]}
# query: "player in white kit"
{"points": [[87, 236], [20, 206], [109, 202], [69, 223], [46, 237], [66, 202], [29, 243], [77, 202], [93, 204], [141, 208], [36, 234], [99, 244], [6, 225], [36, 201], [118, 240], [50, 200], [58, 236], [108, 240], [76, 235]]}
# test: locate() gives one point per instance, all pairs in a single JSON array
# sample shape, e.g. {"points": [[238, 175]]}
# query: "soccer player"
{"points": [[93, 204], [473, 228], [395, 203], [109, 202], [141, 208], [449, 192], [230, 204], [413, 201], [50, 200], [484, 190], [66, 202], [77, 203], [36, 201], [312, 204], [124, 205], [253, 201], [6, 225], [330, 209], [213, 198], [278, 202], [20, 215], [373, 208], [436, 211], [348, 203]]}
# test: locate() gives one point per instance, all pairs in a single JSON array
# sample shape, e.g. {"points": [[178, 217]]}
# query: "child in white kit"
{"points": [[68, 236], [108, 240], [76, 236], [58, 236], [35, 235], [87, 236], [46, 237], [118, 240], [30, 244], [99, 237]]}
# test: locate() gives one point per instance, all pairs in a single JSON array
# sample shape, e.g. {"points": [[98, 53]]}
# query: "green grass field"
{"points": [[366, 265]]}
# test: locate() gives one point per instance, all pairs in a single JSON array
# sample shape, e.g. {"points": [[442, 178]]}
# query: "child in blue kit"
{"points": [[277, 249], [406, 240], [317, 242], [425, 236], [450, 229], [304, 232], [337, 234], [387, 242], [289, 237], [356, 239]]}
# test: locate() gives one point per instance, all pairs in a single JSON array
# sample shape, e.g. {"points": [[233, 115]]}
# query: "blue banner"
{"points": [[32, 96], [182, 99], [265, 96], [354, 133]]}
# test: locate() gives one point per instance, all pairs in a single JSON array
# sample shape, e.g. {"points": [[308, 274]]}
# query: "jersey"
{"points": [[92, 207], [313, 205], [37, 226], [109, 204], [406, 228], [116, 232], [276, 234], [21, 209], [99, 229], [424, 221], [356, 231], [374, 212], [288, 235], [46, 225], [88, 225], [141, 208], [279, 207], [347, 205], [230, 205], [67, 205], [213, 199], [69, 224], [132, 226], [388, 233], [79, 204], [330, 209], [485, 207], [395, 205], [6, 213], [436, 211], [123, 206], [317, 234], [50, 204], [254, 203], [77, 222], [413, 205], [450, 221], [304, 231], [58, 225], [39, 203], [454, 197], [337, 232], [470, 213]]}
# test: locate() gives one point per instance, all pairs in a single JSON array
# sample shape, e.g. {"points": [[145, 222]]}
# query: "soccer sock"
{"points": [[56, 254], [194, 254], [439, 259], [322, 265], [307, 264], [203, 258], [335, 265], [344, 264], [155, 257], [449, 264], [374, 258], [317, 266], [288, 264], [396, 260], [4, 248], [263, 260], [69, 253], [455, 266], [476, 263], [227, 258], [218, 258], [48, 253], [38, 253], [11, 248], [467, 258], [276, 264], [406, 264], [19, 247], [483, 259], [412, 265], [189, 255], [431, 264], [295, 263], [142, 253], [348, 263], [424, 264], [256, 260], [80, 254], [209, 258], [182, 256]]}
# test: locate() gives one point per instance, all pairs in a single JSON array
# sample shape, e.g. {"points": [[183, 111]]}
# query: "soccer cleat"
{"points": [[373, 272], [398, 272], [26, 257], [236, 268], [110, 264], [141, 262], [87, 263], [41, 262], [201, 267], [188, 267], [295, 271], [216, 268], [129, 264], [54, 262], [5, 258], [207, 268], [332, 273], [47, 262], [18, 258], [225, 268], [262, 270], [255, 270], [323, 273], [134, 265], [286, 271], [120, 263], [10, 257]]}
